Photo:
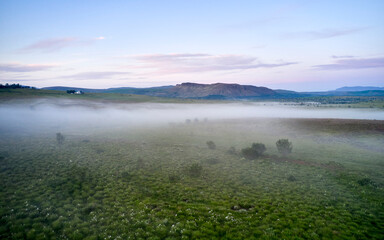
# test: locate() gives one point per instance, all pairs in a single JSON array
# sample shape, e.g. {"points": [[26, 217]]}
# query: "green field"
{"points": [[166, 183], [7, 95], [22, 94]]}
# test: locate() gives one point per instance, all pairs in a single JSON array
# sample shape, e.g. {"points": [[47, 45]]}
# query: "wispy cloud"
{"points": [[323, 34], [18, 67], [251, 24], [190, 63], [276, 15], [94, 75], [345, 64], [17, 80], [344, 56], [56, 44]]}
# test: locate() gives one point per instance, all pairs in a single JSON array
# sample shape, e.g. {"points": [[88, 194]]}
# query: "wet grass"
{"points": [[166, 183]]}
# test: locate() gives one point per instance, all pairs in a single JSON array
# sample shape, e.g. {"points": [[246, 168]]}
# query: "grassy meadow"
{"points": [[165, 182]]}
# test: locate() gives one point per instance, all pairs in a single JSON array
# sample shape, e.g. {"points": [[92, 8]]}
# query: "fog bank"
{"points": [[62, 114]]}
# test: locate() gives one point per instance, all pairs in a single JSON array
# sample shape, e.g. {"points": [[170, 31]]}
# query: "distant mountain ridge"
{"points": [[187, 90], [358, 88], [218, 90], [227, 91]]}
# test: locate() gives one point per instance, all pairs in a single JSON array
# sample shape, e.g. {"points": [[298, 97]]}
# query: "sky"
{"points": [[293, 45]]}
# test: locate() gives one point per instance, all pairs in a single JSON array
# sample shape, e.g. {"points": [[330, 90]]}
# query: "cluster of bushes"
{"points": [[256, 150], [284, 146]]}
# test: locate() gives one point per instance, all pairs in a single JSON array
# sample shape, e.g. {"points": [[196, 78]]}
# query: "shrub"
{"points": [[284, 146], [212, 161], [60, 138], [173, 178], [140, 163], [253, 152], [195, 170], [366, 182], [291, 178], [126, 176], [211, 145], [232, 150]]}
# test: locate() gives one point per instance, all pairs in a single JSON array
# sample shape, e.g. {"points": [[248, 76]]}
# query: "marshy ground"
{"points": [[164, 182]]}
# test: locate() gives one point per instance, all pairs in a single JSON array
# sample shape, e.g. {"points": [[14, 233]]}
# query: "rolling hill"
{"points": [[228, 91]]}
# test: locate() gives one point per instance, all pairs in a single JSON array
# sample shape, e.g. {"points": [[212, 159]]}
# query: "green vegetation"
{"points": [[165, 183], [7, 94], [19, 92], [195, 170], [211, 145], [339, 101], [255, 151], [60, 138], [284, 147]]}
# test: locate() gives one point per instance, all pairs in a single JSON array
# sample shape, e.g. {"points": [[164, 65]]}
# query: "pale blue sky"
{"points": [[296, 45]]}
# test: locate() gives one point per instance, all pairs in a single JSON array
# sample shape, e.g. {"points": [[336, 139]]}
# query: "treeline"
{"points": [[14, 86]]}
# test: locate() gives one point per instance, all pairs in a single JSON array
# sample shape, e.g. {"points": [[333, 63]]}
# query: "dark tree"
{"points": [[255, 151], [60, 138], [284, 146], [211, 145]]}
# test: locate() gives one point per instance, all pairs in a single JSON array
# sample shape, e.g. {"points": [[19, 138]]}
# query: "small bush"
{"points": [[126, 176], [173, 178], [284, 146], [195, 170], [212, 161], [255, 151], [291, 178], [60, 138], [211, 145], [140, 163], [232, 150], [366, 182]]}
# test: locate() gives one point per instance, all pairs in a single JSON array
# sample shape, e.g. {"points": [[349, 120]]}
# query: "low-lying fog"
{"points": [[59, 115]]}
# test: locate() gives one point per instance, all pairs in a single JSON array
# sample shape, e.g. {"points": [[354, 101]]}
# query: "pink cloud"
{"points": [[56, 44], [192, 63], [18, 67], [345, 64], [94, 75]]}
